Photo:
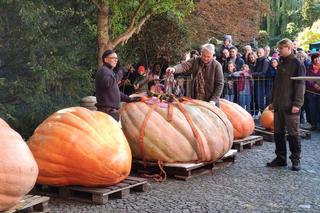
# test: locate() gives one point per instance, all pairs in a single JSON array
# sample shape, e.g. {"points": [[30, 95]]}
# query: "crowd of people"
{"points": [[234, 76], [248, 78]]}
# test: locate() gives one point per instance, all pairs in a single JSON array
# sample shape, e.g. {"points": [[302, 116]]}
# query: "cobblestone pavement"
{"points": [[245, 186]]}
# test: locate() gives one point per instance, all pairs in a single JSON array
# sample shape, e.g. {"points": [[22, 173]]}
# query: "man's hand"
{"points": [[135, 99], [170, 70], [270, 107], [295, 110]]}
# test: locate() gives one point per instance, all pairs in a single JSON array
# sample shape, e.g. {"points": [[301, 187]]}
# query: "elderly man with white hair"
{"points": [[206, 74]]}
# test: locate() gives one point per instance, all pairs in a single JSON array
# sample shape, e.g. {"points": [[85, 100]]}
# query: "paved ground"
{"points": [[245, 186]]}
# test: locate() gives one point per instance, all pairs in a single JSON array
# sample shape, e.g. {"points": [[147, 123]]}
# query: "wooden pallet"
{"points": [[248, 142], [184, 171], [268, 135], [94, 195], [31, 203]]}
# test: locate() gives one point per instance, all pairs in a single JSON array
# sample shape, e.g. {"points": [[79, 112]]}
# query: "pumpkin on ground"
{"points": [[242, 121], [176, 132], [266, 119], [18, 169], [76, 146]]}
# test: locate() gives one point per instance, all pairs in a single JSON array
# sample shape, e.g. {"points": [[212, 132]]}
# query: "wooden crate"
{"points": [[248, 142], [184, 171], [31, 203], [94, 195], [268, 134]]}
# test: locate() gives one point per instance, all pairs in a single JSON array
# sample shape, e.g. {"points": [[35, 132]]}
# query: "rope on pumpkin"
{"points": [[194, 129], [202, 105], [142, 133], [161, 177], [170, 112]]}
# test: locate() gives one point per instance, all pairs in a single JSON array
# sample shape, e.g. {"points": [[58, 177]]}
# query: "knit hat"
{"points": [[106, 54], [229, 37]]}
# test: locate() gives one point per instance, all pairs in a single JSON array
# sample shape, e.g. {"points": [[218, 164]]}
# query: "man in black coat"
{"points": [[107, 90], [287, 100]]}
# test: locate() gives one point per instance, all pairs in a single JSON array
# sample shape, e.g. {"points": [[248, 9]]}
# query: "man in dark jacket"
{"points": [[259, 74], [107, 91], [206, 73], [235, 58], [287, 99]]}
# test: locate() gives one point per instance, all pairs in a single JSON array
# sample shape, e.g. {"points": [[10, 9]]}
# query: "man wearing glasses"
{"points": [[107, 90]]}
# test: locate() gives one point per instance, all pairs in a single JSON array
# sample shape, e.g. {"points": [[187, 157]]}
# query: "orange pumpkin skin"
{"points": [[242, 121], [267, 118], [18, 169], [76, 146], [174, 141]]}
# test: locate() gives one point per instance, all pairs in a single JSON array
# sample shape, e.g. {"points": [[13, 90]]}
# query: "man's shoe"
{"points": [[296, 166], [277, 163]]}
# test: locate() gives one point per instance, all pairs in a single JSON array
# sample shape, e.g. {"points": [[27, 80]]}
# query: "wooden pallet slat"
{"points": [[268, 134], [248, 142], [31, 203], [99, 195], [184, 171]]}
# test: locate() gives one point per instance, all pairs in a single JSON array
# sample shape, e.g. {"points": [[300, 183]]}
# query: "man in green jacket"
{"points": [[287, 99], [206, 74]]}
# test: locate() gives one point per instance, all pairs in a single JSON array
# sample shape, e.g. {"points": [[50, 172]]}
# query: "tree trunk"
{"points": [[103, 35]]}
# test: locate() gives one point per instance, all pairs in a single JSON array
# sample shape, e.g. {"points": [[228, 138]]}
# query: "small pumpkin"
{"points": [[176, 132], [76, 146], [18, 169], [267, 118], [242, 121]]}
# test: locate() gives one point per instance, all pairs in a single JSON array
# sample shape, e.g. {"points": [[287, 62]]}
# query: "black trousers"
{"points": [[285, 120], [110, 111]]}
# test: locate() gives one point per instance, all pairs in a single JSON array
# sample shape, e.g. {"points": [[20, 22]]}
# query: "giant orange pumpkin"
{"points": [[76, 146], [242, 121], [18, 169], [266, 119], [176, 132]]}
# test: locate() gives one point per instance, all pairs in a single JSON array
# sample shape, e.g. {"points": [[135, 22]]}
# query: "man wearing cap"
{"points": [[206, 74], [107, 90]]}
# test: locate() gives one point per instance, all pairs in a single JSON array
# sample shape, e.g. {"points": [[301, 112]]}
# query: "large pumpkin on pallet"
{"points": [[176, 132], [76, 146], [242, 121], [267, 118], [18, 169]]}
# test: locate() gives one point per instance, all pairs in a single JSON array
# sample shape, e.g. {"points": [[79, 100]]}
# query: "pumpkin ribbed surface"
{"points": [[76, 146], [267, 118], [18, 169], [242, 121], [168, 135]]}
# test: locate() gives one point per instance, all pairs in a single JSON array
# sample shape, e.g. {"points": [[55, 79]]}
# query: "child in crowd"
{"points": [[141, 82], [244, 86], [271, 73], [229, 82], [180, 91]]}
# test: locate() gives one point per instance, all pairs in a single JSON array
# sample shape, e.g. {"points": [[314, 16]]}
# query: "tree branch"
{"points": [[124, 37], [96, 3], [136, 13]]}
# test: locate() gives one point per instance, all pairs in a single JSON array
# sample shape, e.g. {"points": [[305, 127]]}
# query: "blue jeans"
{"points": [[229, 97], [260, 94], [314, 106], [245, 101]]}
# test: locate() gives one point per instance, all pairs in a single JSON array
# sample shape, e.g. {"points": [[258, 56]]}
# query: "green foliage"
{"points": [[162, 36], [287, 18], [309, 35], [263, 38], [121, 12], [47, 53]]}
